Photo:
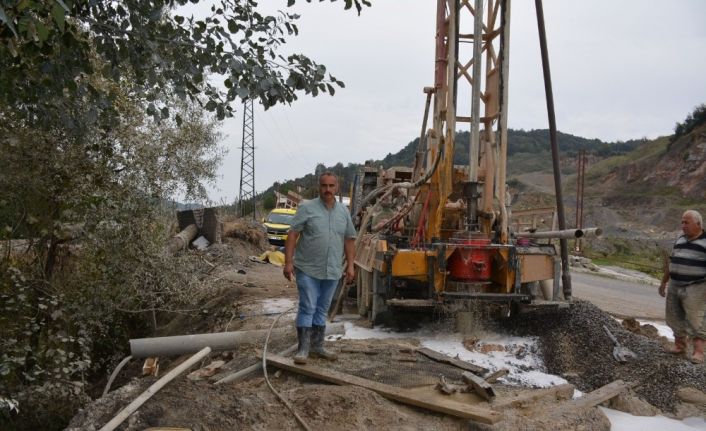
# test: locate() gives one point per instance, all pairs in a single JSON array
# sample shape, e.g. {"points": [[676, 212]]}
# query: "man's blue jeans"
{"points": [[314, 299]]}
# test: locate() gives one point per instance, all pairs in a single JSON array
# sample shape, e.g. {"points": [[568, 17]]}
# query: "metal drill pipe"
{"points": [[565, 275], [563, 234]]}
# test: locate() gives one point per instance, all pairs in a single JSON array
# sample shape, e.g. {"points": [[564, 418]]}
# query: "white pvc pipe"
{"points": [[156, 386], [188, 344]]}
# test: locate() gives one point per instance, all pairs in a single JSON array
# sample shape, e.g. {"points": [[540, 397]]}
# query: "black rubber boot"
{"points": [[304, 336], [318, 333]]}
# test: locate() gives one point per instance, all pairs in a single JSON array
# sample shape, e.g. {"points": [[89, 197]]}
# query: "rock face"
{"points": [[647, 190], [641, 194], [683, 166]]}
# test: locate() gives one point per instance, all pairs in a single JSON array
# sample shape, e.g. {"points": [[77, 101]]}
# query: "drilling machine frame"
{"points": [[436, 233]]}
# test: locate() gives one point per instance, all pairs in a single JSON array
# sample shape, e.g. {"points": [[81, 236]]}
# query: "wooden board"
{"points": [[604, 393], [440, 357], [559, 392], [428, 401], [492, 378], [480, 386]]}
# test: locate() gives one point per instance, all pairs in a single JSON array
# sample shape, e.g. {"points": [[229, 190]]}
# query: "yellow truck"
{"points": [[277, 224]]}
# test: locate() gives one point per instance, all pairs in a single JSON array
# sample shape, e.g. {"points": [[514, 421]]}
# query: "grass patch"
{"points": [[638, 255]]}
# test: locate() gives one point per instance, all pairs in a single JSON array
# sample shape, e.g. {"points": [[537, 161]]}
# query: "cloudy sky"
{"points": [[620, 70]]}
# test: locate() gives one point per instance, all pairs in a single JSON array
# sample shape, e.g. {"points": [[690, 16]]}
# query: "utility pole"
{"points": [[247, 159]]}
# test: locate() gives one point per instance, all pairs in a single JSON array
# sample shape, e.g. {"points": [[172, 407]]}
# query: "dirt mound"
{"points": [[575, 346], [247, 230], [250, 405]]}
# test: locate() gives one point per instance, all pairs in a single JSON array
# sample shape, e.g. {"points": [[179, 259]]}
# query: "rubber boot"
{"points": [[679, 347], [317, 343], [698, 356], [304, 336]]}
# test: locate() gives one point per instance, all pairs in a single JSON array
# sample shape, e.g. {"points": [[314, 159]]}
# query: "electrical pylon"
{"points": [[247, 160]]}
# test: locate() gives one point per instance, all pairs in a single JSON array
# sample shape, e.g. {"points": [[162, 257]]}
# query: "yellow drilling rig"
{"points": [[436, 234]]}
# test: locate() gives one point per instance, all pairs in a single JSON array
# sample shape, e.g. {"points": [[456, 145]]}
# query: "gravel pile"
{"points": [[575, 346]]}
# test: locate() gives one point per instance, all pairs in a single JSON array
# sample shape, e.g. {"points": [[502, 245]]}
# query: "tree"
{"points": [[101, 120], [693, 120], [48, 48], [82, 237]]}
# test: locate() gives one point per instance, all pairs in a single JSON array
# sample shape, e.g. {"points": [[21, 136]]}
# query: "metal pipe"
{"points": [[186, 344], [441, 46], [474, 144], [591, 232], [563, 234], [422, 146], [566, 275], [502, 123]]}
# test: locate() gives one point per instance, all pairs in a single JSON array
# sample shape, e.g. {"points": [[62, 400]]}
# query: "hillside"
{"points": [[528, 151], [633, 189], [648, 188]]}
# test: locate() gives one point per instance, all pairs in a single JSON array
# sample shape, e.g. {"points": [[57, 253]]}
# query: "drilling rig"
{"points": [[436, 234]]}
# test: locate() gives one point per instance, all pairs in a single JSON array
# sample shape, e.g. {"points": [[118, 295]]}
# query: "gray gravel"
{"points": [[574, 345]]}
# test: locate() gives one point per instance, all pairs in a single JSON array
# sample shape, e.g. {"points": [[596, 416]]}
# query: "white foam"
{"points": [[662, 328], [519, 356], [621, 421]]}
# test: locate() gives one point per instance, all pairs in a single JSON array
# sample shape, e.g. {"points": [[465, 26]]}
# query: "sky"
{"points": [[620, 70]]}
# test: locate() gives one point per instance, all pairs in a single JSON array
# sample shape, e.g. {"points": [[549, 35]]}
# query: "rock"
{"points": [[470, 342], [485, 348], [632, 325], [691, 395], [629, 403], [207, 371]]}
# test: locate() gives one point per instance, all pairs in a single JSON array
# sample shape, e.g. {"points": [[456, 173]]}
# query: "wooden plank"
{"points": [[604, 393], [480, 386], [440, 357], [412, 303], [559, 392], [402, 395], [493, 377]]}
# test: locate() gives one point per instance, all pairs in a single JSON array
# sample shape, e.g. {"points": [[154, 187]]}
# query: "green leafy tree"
{"points": [[48, 48], [693, 120], [81, 241], [269, 201], [101, 120]]}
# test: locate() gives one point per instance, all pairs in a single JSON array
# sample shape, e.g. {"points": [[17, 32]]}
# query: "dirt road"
{"points": [[618, 297]]}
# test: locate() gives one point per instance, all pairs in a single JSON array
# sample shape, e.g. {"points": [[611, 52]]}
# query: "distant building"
{"points": [[290, 200]]}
